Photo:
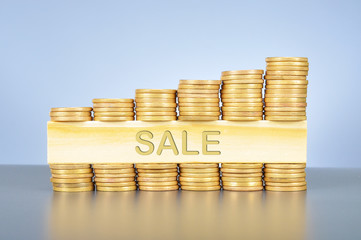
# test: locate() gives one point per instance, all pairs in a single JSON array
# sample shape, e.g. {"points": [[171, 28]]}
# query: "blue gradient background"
{"points": [[64, 53]]}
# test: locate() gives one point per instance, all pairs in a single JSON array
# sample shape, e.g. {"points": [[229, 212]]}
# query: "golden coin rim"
{"points": [[113, 100], [71, 109]]}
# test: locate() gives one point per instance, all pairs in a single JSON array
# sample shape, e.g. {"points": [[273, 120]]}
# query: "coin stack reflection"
{"points": [[115, 177], [241, 95], [199, 176], [71, 114], [72, 177], [156, 105], [286, 88], [242, 176], [113, 110], [285, 177]]}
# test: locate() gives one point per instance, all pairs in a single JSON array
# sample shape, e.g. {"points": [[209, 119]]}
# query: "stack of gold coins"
{"points": [[157, 176], [285, 177], [113, 110], [72, 177], [199, 176], [198, 100], [241, 95], [115, 177], [242, 176], [286, 88], [71, 114]]}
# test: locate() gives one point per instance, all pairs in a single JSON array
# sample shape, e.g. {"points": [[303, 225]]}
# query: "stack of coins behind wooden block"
{"points": [[115, 177], [113, 110], [242, 176], [156, 105], [286, 88], [198, 100], [285, 177], [242, 95], [71, 114]]}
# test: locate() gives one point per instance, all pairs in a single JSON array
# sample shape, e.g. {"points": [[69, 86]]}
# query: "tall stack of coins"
{"points": [[286, 88], [71, 114], [115, 177], [72, 177], [241, 95], [242, 176], [285, 177], [199, 176], [113, 110], [156, 105], [157, 176]]}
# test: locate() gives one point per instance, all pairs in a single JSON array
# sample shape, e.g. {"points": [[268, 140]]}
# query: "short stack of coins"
{"points": [[286, 88], [72, 177], [115, 177], [199, 176], [285, 177], [241, 95], [242, 176], [156, 105], [157, 176], [71, 114], [113, 109]]}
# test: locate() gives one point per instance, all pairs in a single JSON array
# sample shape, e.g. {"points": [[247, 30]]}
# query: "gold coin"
{"points": [[198, 87], [156, 165], [242, 175], [284, 171], [285, 100], [195, 188], [243, 81], [242, 165], [293, 184], [292, 64], [286, 91], [113, 100], [233, 118], [156, 113], [114, 171], [285, 109], [241, 179], [70, 119], [160, 179], [227, 86], [71, 171], [241, 77], [284, 180], [285, 113], [243, 72], [160, 188], [241, 170], [113, 105], [71, 109], [145, 109], [285, 165], [286, 87], [241, 95], [116, 189], [198, 95], [199, 109], [285, 77], [115, 175], [80, 175], [198, 118], [285, 175], [170, 91], [286, 104], [71, 180], [200, 184], [155, 95], [287, 73], [199, 175], [243, 114], [158, 184], [167, 170], [286, 59], [194, 104], [284, 95], [113, 180], [200, 113], [199, 165], [196, 82], [242, 91], [243, 189], [286, 189], [113, 119], [114, 114], [242, 184], [235, 104], [157, 175], [242, 100], [125, 109], [198, 100], [68, 166], [198, 179], [199, 170], [286, 68], [150, 100], [73, 189], [286, 82], [197, 91], [113, 165], [285, 118], [157, 104], [156, 118], [241, 109], [73, 185], [115, 184], [70, 114]]}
